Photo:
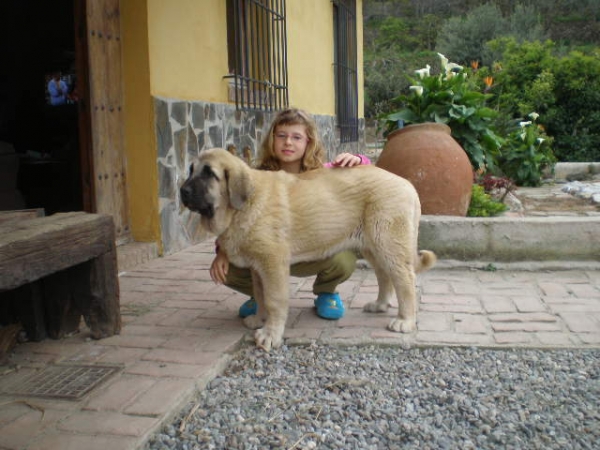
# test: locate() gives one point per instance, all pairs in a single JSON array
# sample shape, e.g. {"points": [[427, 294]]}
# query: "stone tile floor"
{"points": [[180, 330]]}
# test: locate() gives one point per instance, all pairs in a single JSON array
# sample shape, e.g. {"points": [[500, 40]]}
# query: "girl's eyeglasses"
{"points": [[297, 138]]}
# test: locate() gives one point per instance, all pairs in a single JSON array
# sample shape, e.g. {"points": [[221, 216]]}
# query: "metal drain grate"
{"points": [[69, 382]]}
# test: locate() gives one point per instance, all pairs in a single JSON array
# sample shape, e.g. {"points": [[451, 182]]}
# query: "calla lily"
{"points": [[534, 115], [453, 67], [417, 90], [540, 140], [422, 73], [443, 61], [525, 124]]}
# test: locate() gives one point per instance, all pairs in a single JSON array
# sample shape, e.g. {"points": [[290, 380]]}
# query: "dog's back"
{"points": [[341, 208]]}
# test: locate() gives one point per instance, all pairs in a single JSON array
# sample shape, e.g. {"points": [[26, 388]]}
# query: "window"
{"points": [[257, 50], [345, 66]]}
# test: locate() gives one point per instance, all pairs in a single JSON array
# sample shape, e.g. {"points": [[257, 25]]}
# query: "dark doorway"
{"points": [[37, 40]]}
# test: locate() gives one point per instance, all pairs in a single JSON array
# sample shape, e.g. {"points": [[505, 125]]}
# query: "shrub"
{"points": [[453, 98], [483, 205], [527, 152]]}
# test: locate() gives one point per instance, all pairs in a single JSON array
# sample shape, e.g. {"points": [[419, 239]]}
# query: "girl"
{"points": [[293, 145]]}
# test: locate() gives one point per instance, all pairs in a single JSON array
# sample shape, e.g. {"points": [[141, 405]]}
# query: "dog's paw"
{"points": [[402, 325], [253, 322], [376, 307], [267, 339]]}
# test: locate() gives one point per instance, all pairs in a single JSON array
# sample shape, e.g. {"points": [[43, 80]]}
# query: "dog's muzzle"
{"points": [[193, 203]]}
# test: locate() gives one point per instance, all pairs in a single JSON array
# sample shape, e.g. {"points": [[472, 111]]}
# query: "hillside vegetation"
{"points": [[529, 56]]}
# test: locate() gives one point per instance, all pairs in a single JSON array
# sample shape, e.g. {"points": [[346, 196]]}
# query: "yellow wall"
{"points": [[178, 49], [310, 55], [188, 49], [140, 141], [188, 52]]}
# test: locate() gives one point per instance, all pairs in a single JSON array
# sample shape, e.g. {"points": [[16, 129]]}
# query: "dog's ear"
{"points": [[239, 186]]}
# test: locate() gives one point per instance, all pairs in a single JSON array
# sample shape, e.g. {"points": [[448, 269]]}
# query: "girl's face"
{"points": [[289, 146]]}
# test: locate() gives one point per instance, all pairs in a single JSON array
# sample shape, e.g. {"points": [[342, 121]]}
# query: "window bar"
{"points": [[346, 72], [275, 56], [257, 75], [270, 55], [263, 75], [274, 41], [260, 54], [281, 89], [244, 44], [238, 57], [284, 71], [252, 56]]}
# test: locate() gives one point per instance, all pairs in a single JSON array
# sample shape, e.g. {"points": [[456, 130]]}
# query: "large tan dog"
{"points": [[267, 221]]}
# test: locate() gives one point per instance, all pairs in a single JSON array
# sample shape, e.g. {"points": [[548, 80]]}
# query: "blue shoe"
{"points": [[330, 306], [248, 308]]}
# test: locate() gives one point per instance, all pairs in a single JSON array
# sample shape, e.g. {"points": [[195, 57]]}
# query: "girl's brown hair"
{"points": [[313, 157]]}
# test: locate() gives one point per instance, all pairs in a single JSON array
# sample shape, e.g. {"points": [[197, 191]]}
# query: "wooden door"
{"points": [[98, 36]]}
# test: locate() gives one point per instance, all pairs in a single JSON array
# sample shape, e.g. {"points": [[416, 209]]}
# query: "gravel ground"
{"points": [[371, 397]]}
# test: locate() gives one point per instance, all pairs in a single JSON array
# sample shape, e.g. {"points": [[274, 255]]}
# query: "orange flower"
{"points": [[474, 65], [488, 81]]}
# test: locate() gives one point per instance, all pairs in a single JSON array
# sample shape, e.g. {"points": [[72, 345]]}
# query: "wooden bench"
{"points": [[56, 269]]}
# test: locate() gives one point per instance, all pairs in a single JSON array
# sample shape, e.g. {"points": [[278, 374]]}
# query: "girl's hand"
{"points": [[346, 160], [219, 268]]}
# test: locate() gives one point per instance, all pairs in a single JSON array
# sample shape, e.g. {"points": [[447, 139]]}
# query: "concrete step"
{"points": [[511, 239]]}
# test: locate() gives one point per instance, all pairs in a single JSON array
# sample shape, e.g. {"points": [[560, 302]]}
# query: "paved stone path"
{"points": [[180, 330]]}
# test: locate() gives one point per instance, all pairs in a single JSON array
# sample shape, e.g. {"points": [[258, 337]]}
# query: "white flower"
{"points": [[540, 140], [422, 73], [534, 115], [443, 61], [452, 67], [523, 135], [417, 90], [525, 124]]}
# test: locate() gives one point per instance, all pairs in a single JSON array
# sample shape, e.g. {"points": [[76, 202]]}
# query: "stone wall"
{"points": [[184, 129]]}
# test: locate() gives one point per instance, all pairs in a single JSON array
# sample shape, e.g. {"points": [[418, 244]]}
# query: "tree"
{"points": [[463, 39]]}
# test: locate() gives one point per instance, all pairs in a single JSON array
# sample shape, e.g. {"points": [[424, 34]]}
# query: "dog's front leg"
{"points": [[257, 320], [276, 303]]}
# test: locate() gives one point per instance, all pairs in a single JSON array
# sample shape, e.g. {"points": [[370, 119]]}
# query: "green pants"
{"points": [[330, 273]]}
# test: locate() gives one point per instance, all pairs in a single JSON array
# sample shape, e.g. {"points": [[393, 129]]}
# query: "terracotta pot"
{"points": [[427, 155]]}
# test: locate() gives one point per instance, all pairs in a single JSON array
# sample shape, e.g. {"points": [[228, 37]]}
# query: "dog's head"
{"points": [[218, 183]]}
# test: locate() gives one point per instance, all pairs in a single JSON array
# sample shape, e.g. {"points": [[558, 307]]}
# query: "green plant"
{"points": [[527, 153], [564, 90], [453, 98], [483, 205], [502, 186]]}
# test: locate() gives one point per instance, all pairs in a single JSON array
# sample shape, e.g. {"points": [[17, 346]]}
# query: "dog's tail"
{"points": [[426, 259]]}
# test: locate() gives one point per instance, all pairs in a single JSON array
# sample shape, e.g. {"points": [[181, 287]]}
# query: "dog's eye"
{"points": [[207, 172]]}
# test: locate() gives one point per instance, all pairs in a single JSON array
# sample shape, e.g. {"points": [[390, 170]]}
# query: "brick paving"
{"points": [[180, 330]]}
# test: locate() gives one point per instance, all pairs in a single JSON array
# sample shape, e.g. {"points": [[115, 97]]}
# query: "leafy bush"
{"points": [[453, 98], [527, 153], [483, 205], [574, 117], [465, 37], [565, 92], [500, 185]]}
